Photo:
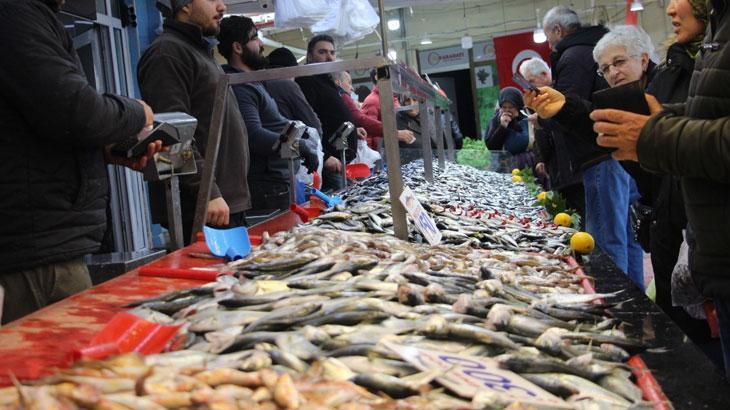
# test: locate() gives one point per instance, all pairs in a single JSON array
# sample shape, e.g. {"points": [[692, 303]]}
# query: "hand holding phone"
{"points": [[520, 80]]}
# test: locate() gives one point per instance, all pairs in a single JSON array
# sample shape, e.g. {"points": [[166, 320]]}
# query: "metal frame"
{"points": [[393, 79]]}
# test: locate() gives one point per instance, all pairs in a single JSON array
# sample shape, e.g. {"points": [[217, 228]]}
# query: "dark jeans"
{"points": [[332, 181], [723, 318], [269, 195], [29, 290]]}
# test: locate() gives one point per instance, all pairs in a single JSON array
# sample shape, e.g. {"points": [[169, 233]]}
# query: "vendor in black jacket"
{"points": [[53, 181], [324, 96], [268, 175], [178, 73]]}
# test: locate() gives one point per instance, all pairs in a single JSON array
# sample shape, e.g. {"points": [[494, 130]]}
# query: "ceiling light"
{"points": [[538, 36], [393, 24], [467, 42], [426, 40], [636, 6]]}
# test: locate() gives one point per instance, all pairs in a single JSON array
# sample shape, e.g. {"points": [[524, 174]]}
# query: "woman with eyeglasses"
{"points": [[623, 56]]}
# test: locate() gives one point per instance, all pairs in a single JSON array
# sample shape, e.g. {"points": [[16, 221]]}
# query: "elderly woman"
{"points": [[623, 57], [508, 129]]}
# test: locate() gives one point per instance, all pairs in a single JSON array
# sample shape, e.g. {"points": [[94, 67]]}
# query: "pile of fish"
{"points": [[133, 382], [332, 300], [479, 208]]}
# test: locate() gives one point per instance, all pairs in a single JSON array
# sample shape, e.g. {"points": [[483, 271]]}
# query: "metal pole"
{"points": [[426, 132], [383, 30], [392, 152], [292, 183], [344, 166], [439, 138], [449, 136], [211, 154], [174, 219]]}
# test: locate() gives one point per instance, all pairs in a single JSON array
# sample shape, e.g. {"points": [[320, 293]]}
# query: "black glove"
{"points": [[309, 155]]}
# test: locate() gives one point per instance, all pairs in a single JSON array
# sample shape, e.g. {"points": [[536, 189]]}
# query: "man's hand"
{"points": [[548, 103], [654, 106], [148, 114], [619, 129], [532, 119], [309, 157], [361, 133], [136, 164], [406, 136], [333, 164], [218, 212], [504, 119]]}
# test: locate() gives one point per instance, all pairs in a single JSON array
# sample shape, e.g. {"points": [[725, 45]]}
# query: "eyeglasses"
{"points": [[618, 62]]}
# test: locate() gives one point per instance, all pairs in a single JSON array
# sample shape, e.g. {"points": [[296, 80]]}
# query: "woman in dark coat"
{"points": [[508, 129], [671, 85]]}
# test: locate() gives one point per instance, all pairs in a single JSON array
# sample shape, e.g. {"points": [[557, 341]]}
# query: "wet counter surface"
{"points": [[688, 378]]}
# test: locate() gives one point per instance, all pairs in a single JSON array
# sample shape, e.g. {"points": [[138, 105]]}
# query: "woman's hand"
{"points": [[547, 104]]}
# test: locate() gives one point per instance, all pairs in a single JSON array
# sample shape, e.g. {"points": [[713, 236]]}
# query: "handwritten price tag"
{"points": [[466, 375], [424, 223]]}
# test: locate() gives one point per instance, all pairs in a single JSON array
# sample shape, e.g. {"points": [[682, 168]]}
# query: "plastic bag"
{"points": [[684, 291], [315, 142], [298, 13], [347, 20], [365, 154]]}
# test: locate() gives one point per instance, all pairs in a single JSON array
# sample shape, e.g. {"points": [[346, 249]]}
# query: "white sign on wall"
{"points": [[484, 51], [443, 59]]}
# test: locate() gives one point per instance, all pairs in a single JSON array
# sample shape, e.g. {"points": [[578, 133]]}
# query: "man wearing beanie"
{"points": [[268, 177], [178, 73], [287, 94]]}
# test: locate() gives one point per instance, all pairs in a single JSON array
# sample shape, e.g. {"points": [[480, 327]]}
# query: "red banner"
{"points": [[512, 50], [632, 17]]}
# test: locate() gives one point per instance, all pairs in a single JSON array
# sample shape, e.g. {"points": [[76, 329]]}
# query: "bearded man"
{"points": [[178, 73]]}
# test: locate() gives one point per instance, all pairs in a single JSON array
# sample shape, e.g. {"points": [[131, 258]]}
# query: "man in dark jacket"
{"points": [[286, 92], [554, 155], [324, 96], [53, 181], [268, 176], [691, 141], [178, 73]]}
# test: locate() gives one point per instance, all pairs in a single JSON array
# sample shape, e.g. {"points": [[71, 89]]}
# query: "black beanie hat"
{"points": [[282, 57], [511, 95]]}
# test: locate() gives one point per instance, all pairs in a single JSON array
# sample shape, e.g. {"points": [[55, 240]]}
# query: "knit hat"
{"points": [[168, 8], [511, 95], [282, 57]]}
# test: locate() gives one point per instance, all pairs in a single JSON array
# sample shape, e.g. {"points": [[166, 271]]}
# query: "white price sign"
{"points": [[421, 218], [466, 375]]}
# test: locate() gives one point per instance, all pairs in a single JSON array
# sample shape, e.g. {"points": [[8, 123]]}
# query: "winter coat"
{"points": [[292, 103], [574, 74], [372, 126], [178, 73], [324, 96], [692, 140], [53, 180]]}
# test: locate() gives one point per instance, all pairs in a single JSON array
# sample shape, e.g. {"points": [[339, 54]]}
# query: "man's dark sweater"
{"points": [[264, 124]]}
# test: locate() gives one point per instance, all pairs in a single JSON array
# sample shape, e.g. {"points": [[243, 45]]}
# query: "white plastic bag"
{"points": [[299, 13], [314, 141], [347, 20], [684, 291], [365, 154]]}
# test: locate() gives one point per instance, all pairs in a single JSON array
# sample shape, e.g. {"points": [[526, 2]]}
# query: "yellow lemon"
{"points": [[562, 219], [516, 178], [542, 196], [515, 171], [582, 242]]}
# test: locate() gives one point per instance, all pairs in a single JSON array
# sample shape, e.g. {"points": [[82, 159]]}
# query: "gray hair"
{"points": [[339, 76], [633, 38], [562, 16], [533, 67]]}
